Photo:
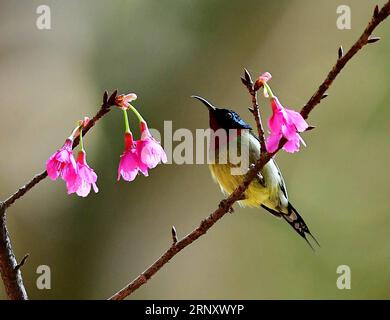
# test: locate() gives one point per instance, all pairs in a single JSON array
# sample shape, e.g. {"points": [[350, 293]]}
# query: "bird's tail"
{"points": [[296, 221]]}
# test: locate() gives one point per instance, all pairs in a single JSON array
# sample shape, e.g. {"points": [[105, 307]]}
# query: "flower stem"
{"points": [[267, 87], [126, 121], [71, 137], [131, 107]]}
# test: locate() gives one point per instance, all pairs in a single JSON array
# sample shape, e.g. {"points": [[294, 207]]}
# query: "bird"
{"points": [[268, 189]]}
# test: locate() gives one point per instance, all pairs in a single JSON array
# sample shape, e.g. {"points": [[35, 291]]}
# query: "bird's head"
{"points": [[223, 118]]}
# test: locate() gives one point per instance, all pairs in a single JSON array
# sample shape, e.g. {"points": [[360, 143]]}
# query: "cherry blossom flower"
{"points": [[62, 162], [285, 123], [149, 150], [130, 165], [84, 177]]}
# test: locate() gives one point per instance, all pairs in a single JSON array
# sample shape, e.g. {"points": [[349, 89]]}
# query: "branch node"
{"points": [[341, 52], [111, 99], [376, 11], [248, 77], [105, 98], [373, 39], [22, 262], [174, 235], [222, 204], [310, 128]]}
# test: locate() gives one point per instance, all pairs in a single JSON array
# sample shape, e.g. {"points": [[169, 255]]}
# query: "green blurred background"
{"points": [[165, 51]]}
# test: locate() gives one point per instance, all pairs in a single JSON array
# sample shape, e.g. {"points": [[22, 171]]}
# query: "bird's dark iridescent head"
{"points": [[223, 118]]}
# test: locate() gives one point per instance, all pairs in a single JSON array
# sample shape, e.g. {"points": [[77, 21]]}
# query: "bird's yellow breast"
{"points": [[255, 195], [267, 192]]}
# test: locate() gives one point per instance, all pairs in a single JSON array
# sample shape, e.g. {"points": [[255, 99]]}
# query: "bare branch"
{"points": [[10, 272], [226, 204], [377, 18], [255, 108]]}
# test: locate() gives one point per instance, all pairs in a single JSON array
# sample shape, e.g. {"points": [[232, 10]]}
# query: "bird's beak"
{"points": [[205, 102]]}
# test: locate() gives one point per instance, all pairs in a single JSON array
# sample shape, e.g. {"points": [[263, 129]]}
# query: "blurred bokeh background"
{"points": [[166, 51]]}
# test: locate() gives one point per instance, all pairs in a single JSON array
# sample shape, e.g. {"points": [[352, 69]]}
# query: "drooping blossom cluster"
{"points": [[141, 155], [283, 122], [78, 176], [138, 156]]}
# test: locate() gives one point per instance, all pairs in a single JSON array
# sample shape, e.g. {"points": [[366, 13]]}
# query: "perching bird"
{"points": [[268, 190]]}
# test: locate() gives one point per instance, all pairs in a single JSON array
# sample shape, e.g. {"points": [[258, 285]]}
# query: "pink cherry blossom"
{"points": [[149, 150], [285, 123], [123, 101], [81, 182], [130, 164], [62, 162]]}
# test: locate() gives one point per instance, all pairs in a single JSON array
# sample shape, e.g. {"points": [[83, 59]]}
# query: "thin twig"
{"points": [[376, 19], [247, 81], [174, 235], [226, 204], [22, 262]]}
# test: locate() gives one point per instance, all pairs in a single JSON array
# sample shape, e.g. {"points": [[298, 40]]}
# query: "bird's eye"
{"points": [[229, 116]]}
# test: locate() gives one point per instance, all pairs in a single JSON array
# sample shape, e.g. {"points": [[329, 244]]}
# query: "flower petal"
{"points": [[273, 142], [292, 145], [296, 118]]}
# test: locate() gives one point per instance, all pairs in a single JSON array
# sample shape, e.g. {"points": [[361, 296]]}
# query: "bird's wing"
{"points": [[282, 184], [279, 206]]}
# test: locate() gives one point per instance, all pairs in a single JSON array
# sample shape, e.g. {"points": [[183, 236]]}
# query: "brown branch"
{"points": [[226, 204], [376, 19], [9, 268], [247, 81], [223, 207]]}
